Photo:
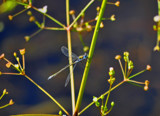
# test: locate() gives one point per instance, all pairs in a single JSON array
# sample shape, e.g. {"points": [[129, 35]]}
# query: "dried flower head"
{"points": [[101, 25], [72, 12], [117, 3], [29, 13], [148, 67], [11, 102], [27, 38], [98, 9], [10, 17], [5, 92], [8, 65], [156, 48], [117, 57], [146, 88], [112, 18], [146, 82], [22, 51], [89, 28], [2, 56], [146, 85], [31, 19], [85, 48], [79, 29], [15, 54]]}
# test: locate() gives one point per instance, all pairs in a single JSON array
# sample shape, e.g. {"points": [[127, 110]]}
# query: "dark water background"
{"points": [[132, 31]]}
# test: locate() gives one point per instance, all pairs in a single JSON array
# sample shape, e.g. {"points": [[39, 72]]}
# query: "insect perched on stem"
{"points": [[75, 59]]}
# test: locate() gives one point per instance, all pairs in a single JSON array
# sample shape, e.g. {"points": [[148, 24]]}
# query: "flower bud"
{"points": [[15, 54], [10, 17], [117, 57], [5, 92], [146, 88], [72, 12], [22, 51], [8, 65], [148, 67], [117, 3], [11, 102], [60, 113], [89, 28], [2, 56], [32, 18], [101, 25], [29, 13], [85, 48], [112, 18], [27, 38], [111, 71], [156, 48], [156, 18]]}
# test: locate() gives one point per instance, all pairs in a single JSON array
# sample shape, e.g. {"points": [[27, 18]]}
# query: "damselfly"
{"points": [[75, 59]]}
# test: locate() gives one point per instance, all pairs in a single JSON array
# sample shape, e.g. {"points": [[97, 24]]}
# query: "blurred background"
{"points": [[132, 31]]}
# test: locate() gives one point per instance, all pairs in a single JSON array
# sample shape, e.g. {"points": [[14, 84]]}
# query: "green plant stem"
{"points": [[50, 17], [124, 74], [4, 106], [83, 10], [89, 105], [90, 55], [2, 96], [109, 91], [54, 28], [70, 56], [47, 94], [137, 74]]}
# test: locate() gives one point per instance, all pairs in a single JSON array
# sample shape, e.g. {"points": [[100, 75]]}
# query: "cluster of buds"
{"points": [[156, 27], [27, 5], [127, 69], [112, 76], [18, 67], [10, 102], [103, 107]]}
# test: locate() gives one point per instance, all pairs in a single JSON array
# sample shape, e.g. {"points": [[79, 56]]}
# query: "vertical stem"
{"points": [[90, 55], [70, 56]]}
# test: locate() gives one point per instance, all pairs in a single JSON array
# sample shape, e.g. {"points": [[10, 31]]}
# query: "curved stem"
{"points": [[44, 91]]}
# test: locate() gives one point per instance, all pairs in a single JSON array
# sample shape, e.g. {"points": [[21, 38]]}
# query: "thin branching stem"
{"points": [[80, 14], [89, 105], [44, 91], [50, 17], [137, 74]]}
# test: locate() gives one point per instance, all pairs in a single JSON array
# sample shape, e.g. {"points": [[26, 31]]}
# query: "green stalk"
{"points": [[90, 55], [137, 74], [83, 10], [50, 17], [4, 106], [89, 105], [44, 91], [70, 56]]}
